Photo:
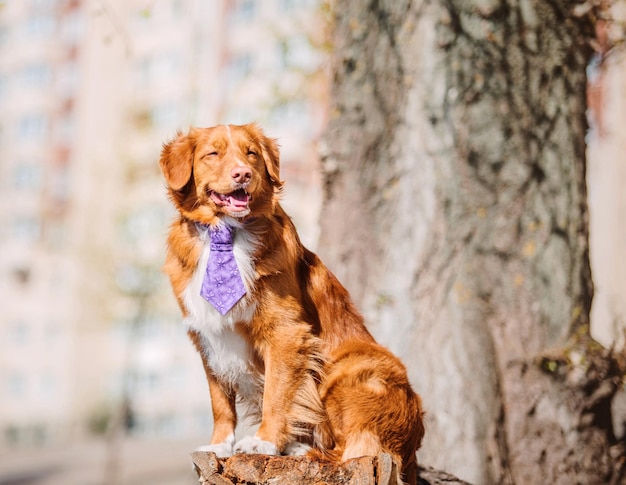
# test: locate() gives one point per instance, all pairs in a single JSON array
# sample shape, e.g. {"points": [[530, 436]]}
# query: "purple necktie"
{"points": [[222, 286]]}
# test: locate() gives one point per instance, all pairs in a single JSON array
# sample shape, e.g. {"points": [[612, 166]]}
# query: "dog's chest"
{"points": [[227, 352]]}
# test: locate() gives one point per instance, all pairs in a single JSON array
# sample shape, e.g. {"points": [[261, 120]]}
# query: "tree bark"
{"points": [[455, 212]]}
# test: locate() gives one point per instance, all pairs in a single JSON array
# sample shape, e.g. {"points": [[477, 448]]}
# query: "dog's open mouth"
{"points": [[236, 201]]}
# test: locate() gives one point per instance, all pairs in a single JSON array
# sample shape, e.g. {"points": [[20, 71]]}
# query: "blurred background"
{"points": [[98, 382], [91, 344]]}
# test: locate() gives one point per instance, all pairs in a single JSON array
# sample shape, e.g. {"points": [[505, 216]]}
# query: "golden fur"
{"points": [[302, 358]]}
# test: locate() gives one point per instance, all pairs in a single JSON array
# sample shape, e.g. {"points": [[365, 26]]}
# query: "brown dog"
{"points": [[273, 325]]}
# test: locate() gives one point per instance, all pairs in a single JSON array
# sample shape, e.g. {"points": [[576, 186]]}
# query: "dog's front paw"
{"points": [[253, 445], [222, 450], [295, 448]]}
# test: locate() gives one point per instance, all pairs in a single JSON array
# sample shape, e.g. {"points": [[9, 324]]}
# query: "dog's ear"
{"points": [[271, 155], [177, 160]]}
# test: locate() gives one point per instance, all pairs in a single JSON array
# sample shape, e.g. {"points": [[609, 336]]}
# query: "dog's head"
{"points": [[225, 170]]}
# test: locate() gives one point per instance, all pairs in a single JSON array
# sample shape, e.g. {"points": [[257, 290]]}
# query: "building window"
{"points": [[26, 229], [3, 85], [16, 384], [32, 127], [27, 176], [36, 75], [4, 35], [20, 333], [287, 5], [244, 10], [40, 26]]}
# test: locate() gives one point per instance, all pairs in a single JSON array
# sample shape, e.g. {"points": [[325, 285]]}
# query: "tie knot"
{"points": [[221, 238]]}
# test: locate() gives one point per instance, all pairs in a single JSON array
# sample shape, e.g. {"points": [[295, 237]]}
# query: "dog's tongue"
{"points": [[238, 198]]}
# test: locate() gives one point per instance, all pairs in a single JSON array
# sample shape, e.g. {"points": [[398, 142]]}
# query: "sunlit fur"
{"points": [[294, 350]]}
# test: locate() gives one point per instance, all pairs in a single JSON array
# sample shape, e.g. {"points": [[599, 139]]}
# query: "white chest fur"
{"points": [[226, 350]]}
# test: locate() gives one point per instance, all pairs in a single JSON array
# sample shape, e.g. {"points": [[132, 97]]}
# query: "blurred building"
{"points": [[39, 80], [606, 178], [89, 90]]}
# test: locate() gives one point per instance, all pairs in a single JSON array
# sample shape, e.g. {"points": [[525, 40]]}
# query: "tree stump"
{"points": [[300, 470]]}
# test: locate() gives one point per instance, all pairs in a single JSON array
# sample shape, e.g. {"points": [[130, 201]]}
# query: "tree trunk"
{"points": [[455, 212]]}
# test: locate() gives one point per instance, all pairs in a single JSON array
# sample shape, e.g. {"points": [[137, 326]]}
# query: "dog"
{"points": [[285, 339]]}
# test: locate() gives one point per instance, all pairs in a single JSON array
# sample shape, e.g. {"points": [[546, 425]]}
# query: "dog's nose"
{"points": [[241, 175]]}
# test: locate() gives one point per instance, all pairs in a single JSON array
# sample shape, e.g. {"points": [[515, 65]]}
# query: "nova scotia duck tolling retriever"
{"points": [[275, 329]]}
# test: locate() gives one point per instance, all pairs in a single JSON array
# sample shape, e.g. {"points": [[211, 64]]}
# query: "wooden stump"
{"points": [[300, 470]]}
